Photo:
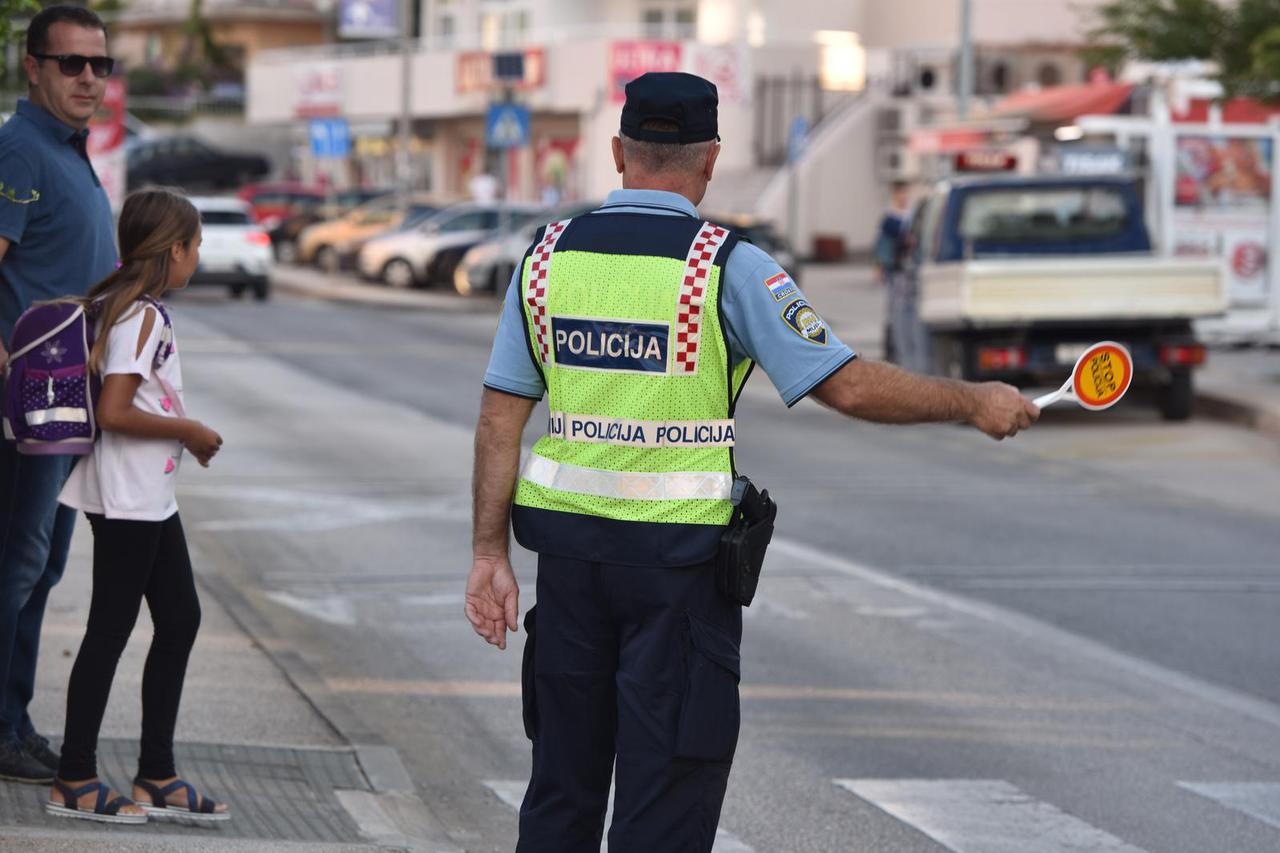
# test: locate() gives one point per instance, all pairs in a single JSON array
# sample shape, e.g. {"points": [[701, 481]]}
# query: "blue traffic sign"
{"points": [[507, 126], [330, 138], [797, 139]]}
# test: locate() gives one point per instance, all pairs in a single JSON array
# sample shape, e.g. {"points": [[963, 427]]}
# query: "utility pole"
{"points": [[965, 84], [404, 165]]}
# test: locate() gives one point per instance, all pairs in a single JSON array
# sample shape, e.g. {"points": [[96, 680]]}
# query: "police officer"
{"points": [[640, 322]]}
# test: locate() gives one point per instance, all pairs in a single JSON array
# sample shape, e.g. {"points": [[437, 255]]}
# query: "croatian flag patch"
{"points": [[781, 286]]}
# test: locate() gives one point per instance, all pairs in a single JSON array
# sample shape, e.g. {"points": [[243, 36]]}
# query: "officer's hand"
{"points": [[493, 599], [1000, 410]]}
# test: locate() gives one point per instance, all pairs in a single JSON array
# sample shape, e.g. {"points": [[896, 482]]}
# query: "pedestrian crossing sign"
{"points": [[507, 126]]}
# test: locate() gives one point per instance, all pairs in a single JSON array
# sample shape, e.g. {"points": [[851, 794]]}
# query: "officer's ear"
{"points": [[710, 166], [617, 155]]}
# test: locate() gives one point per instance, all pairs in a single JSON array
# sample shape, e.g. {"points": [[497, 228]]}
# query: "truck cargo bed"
{"points": [[1001, 291]]}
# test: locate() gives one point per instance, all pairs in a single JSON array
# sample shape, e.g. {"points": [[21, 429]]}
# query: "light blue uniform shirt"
{"points": [[759, 313]]}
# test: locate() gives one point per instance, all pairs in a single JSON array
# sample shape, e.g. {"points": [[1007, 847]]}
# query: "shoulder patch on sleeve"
{"points": [[805, 322], [780, 286]]}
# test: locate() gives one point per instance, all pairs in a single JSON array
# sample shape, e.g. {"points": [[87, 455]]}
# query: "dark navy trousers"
{"points": [[629, 672]]}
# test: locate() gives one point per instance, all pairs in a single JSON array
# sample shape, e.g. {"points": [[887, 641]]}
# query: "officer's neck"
{"points": [[693, 190]]}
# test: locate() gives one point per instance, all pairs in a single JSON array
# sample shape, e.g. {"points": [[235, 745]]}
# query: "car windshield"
{"points": [[1043, 214], [223, 217]]}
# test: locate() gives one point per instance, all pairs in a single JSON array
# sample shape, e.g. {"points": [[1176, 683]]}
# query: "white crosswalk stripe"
{"points": [[512, 793], [1259, 800], [983, 816]]}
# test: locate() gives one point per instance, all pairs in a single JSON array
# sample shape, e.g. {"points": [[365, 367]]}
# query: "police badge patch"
{"points": [[805, 322]]}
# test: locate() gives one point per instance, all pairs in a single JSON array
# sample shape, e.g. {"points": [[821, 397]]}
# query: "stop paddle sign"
{"points": [[1100, 378]]}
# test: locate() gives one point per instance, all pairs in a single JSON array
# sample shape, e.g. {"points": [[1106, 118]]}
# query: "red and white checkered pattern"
{"points": [[536, 295], [693, 294]]}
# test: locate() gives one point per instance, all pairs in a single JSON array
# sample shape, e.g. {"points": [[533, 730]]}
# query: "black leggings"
{"points": [[133, 560]]}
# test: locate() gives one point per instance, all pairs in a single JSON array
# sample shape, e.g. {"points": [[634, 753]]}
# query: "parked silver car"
{"points": [[488, 266], [427, 254]]}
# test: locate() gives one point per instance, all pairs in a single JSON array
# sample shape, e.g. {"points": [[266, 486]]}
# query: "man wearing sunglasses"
{"points": [[55, 240]]}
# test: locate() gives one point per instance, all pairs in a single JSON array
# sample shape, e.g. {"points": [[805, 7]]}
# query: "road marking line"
{"points": [[1259, 800], [1067, 642], [333, 609], [983, 816], [511, 792]]}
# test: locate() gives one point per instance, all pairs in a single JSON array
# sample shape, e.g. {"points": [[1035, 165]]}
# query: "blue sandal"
{"points": [[102, 811], [198, 807]]}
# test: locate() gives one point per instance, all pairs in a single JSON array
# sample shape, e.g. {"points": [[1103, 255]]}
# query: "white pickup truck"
{"points": [[1013, 276]]}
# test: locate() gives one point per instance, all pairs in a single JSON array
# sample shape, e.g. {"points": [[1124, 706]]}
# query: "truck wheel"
{"points": [[1175, 399]]}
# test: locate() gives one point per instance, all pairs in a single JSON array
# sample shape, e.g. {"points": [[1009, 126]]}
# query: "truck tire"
{"points": [[1176, 398]]}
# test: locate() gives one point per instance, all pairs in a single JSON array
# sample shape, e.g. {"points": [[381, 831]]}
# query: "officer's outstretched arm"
{"points": [[493, 596], [875, 391]]}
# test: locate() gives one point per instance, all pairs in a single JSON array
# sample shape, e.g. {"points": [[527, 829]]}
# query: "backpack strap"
{"points": [[163, 351]]}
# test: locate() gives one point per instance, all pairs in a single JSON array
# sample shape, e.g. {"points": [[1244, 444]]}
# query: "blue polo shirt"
{"points": [[764, 314], [53, 211]]}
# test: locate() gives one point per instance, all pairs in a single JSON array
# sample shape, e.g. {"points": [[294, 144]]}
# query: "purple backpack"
{"points": [[50, 394]]}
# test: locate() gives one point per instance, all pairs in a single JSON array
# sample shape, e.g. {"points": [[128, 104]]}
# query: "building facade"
{"points": [[782, 66]]}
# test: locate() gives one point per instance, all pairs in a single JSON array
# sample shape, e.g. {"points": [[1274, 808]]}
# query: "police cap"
{"points": [[685, 100]]}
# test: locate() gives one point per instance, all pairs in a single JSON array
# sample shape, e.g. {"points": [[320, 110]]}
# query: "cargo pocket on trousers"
{"points": [[710, 713], [528, 691]]}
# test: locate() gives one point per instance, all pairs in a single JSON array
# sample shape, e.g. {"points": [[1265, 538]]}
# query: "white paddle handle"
{"points": [[1052, 397]]}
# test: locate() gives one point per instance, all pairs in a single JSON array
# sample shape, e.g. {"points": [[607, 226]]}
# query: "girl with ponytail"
{"points": [[126, 487]]}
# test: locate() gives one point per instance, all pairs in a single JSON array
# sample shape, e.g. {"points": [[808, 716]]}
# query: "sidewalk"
{"points": [[246, 736]]}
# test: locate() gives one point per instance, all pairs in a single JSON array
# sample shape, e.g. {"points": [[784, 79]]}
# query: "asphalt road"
{"points": [[1062, 642]]}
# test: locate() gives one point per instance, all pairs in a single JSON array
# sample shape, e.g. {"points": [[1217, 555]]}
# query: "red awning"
{"points": [[1062, 104]]}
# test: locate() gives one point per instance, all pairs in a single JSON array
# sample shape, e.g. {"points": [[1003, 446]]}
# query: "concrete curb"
{"points": [[392, 816], [1239, 410], [341, 288]]}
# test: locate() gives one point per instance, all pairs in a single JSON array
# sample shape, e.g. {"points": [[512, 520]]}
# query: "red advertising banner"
{"points": [[106, 142], [629, 59]]}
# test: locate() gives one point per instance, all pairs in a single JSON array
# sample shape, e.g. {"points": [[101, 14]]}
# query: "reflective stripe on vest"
{"points": [[628, 485], [637, 433]]}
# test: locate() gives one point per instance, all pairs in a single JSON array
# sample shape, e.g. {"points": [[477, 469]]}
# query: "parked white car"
{"points": [[428, 253], [235, 252]]}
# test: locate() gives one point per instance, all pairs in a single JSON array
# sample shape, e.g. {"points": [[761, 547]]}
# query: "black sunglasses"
{"points": [[72, 64]]}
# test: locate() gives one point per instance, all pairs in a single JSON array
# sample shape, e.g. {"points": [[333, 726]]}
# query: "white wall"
{"points": [[936, 23]]}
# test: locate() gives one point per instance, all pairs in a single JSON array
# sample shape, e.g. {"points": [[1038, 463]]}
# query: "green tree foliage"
{"points": [[1241, 37], [10, 9]]}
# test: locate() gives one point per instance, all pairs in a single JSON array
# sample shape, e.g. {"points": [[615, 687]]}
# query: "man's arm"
{"points": [[880, 392], [493, 596]]}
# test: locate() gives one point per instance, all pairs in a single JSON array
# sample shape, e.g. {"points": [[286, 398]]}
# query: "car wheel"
{"points": [[398, 273], [237, 290], [262, 290], [327, 258], [1176, 399]]}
